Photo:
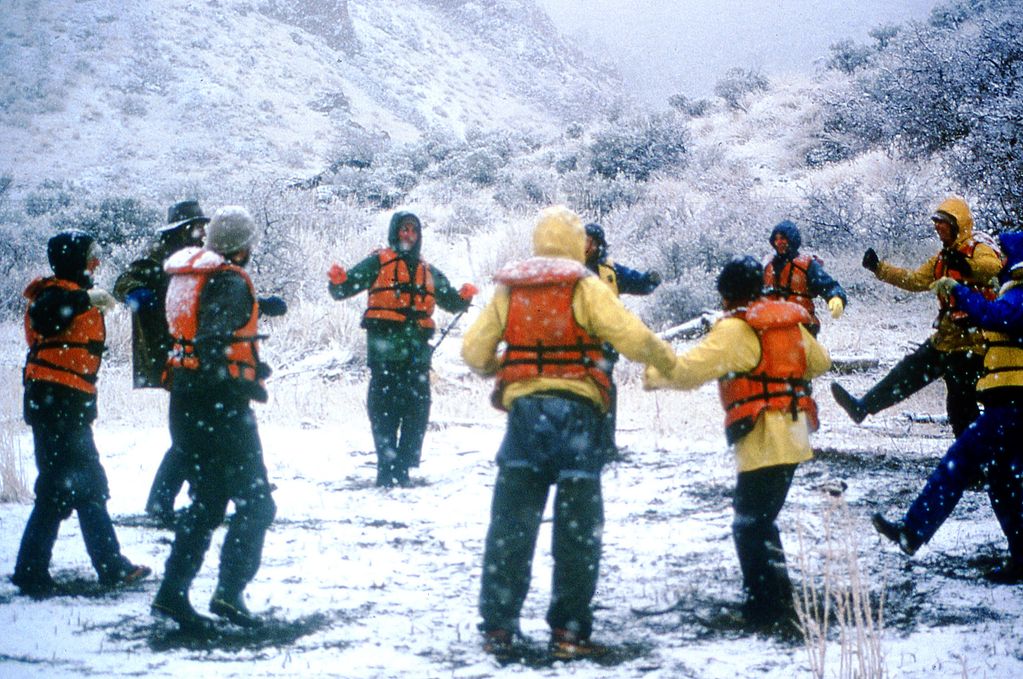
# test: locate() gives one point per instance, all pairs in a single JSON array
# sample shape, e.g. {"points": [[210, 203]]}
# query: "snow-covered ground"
{"points": [[363, 582]]}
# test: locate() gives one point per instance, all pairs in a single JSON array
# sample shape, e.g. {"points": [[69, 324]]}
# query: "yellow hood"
{"points": [[559, 233], [957, 207]]}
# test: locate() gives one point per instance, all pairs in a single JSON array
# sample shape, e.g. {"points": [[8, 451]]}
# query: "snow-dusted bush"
{"points": [[951, 90], [848, 56], [598, 195], [49, 197], [694, 108], [736, 86], [848, 216], [112, 220], [639, 147], [526, 189], [22, 258]]}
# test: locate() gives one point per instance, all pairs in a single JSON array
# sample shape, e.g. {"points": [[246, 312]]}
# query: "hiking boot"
{"points": [[499, 643], [896, 532], [233, 608], [567, 645], [1009, 573], [35, 586], [128, 576], [179, 609], [852, 406]]}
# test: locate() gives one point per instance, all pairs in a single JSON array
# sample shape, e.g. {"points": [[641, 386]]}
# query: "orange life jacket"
{"points": [[778, 381], [791, 284], [71, 357], [942, 268], [400, 295], [190, 269], [542, 337]]}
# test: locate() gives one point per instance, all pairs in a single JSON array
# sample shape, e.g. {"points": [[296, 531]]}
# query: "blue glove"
{"points": [[141, 299], [272, 306]]}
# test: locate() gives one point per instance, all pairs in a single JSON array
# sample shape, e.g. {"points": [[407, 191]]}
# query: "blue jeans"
{"points": [[990, 446]]}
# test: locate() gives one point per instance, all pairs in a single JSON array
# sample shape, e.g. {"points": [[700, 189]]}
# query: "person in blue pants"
{"points": [[990, 445]]}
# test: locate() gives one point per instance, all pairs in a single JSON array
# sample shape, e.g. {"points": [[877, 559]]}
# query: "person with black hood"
{"points": [[215, 374], [623, 281], [65, 332], [954, 351], [794, 277], [403, 292]]}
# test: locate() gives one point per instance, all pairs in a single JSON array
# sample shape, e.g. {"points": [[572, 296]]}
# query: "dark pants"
{"points": [[219, 439], [960, 370], [399, 411], [170, 477], [759, 496], [990, 446], [71, 479], [550, 441], [611, 417]]}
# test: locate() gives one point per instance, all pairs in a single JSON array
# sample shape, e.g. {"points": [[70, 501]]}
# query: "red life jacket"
{"points": [[190, 269], [943, 268], [791, 284], [778, 382], [400, 295], [542, 337], [71, 357]]}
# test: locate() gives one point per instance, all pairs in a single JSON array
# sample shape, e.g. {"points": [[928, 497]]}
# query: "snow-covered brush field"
{"points": [[362, 582]]}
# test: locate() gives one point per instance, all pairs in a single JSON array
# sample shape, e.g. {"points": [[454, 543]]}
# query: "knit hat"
{"points": [[231, 229]]}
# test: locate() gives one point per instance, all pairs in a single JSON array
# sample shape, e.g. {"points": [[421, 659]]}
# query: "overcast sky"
{"points": [[665, 47]]}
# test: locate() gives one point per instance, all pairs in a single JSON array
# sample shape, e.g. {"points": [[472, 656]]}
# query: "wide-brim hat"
{"points": [[183, 213]]}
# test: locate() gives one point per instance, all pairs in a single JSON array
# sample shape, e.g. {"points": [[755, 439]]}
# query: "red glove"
{"points": [[337, 274], [468, 291]]}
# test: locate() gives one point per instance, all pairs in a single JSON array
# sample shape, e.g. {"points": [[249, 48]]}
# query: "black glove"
{"points": [[956, 261], [654, 277], [870, 260], [272, 306]]}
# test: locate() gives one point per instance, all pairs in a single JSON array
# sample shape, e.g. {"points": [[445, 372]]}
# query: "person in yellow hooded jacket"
{"points": [[552, 314], [954, 351], [763, 357]]}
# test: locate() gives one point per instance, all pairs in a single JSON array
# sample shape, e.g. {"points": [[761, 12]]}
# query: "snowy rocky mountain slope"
{"points": [[165, 94]]}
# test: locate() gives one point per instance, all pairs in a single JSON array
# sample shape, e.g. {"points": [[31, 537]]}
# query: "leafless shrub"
{"points": [[835, 599], [13, 484]]}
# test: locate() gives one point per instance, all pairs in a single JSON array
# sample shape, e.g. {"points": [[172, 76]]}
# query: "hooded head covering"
{"points": [[956, 212], [596, 232], [559, 233], [1012, 247], [69, 253], [392, 234], [788, 229]]}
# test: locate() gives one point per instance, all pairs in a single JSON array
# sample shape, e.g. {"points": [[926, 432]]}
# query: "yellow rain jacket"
{"points": [[985, 263], [732, 346], [559, 234]]}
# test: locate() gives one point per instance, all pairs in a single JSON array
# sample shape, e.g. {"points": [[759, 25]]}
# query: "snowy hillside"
{"points": [[166, 95]]}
